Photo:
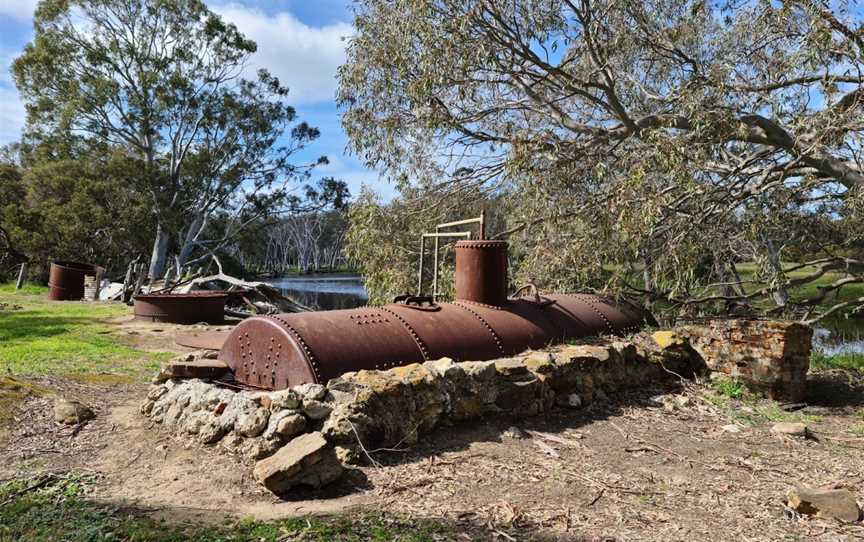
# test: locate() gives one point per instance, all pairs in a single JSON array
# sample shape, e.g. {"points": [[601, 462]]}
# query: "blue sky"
{"points": [[300, 41]]}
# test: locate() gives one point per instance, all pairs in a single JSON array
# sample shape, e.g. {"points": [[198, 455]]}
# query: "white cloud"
{"points": [[20, 10], [304, 58], [12, 115]]}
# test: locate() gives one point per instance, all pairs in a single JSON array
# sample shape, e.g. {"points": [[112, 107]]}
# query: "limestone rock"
{"points": [[71, 412], [511, 368], [156, 392], [285, 399], [668, 339], [307, 460], [211, 432], [515, 433], [827, 503], [572, 400], [540, 362], [291, 425], [239, 406], [185, 368], [254, 423], [285, 424], [258, 448], [311, 392], [444, 368], [793, 429], [316, 410], [479, 370]]}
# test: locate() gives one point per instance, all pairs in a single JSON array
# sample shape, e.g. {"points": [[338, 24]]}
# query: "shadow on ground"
{"points": [[836, 388]]}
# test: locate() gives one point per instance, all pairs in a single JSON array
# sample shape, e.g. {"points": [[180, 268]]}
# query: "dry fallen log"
{"points": [[257, 298]]}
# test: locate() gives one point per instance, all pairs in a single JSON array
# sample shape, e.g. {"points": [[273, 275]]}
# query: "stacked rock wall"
{"points": [[304, 434], [770, 356], [380, 409]]}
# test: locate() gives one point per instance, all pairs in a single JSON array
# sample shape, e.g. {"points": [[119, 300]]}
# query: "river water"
{"points": [[840, 335], [330, 291], [326, 291]]}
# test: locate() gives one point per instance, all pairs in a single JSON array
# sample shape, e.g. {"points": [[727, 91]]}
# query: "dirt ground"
{"points": [[156, 337], [653, 465]]}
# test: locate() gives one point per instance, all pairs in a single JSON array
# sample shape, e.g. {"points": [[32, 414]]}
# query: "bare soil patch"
{"points": [[653, 465], [155, 336]]}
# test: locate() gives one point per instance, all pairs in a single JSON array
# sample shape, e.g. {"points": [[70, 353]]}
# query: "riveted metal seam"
{"points": [[589, 300], [481, 243], [424, 351], [310, 356], [479, 304], [498, 341]]}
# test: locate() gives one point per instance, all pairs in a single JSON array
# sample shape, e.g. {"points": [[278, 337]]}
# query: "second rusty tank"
{"points": [[285, 350]]}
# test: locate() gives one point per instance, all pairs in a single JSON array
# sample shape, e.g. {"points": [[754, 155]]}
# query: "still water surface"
{"points": [[840, 335], [345, 291], [324, 292]]}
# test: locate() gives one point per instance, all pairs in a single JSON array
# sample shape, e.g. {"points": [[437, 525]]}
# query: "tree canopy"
{"points": [[648, 147], [165, 81]]}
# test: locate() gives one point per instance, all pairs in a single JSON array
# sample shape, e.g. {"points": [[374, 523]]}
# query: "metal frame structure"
{"points": [[481, 220]]}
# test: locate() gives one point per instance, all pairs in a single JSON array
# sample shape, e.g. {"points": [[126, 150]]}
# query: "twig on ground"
{"points": [[45, 479]]}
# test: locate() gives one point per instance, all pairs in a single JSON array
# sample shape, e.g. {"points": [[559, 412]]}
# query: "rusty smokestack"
{"points": [[481, 272]]}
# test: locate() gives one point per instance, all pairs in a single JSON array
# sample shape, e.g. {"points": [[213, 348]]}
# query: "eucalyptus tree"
{"points": [[165, 80], [665, 139]]}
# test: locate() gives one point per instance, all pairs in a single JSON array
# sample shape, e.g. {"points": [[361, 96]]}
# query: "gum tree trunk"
{"points": [[159, 256]]}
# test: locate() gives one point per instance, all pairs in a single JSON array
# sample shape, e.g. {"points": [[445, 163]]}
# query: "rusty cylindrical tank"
{"points": [[66, 280], [190, 308], [285, 350], [481, 272]]}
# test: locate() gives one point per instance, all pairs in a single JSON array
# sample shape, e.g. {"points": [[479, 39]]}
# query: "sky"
{"points": [[300, 41]]}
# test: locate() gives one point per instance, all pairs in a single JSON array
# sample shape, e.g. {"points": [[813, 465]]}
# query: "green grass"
{"points": [[65, 338], [60, 510], [729, 387], [26, 289], [732, 397], [841, 360]]}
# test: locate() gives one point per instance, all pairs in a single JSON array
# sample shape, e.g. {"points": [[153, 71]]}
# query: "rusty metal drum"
{"points": [[66, 280], [481, 272], [191, 308]]}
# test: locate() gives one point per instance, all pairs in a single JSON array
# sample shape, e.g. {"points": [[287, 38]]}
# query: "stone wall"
{"points": [[304, 435], [770, 356], [380, 409]]}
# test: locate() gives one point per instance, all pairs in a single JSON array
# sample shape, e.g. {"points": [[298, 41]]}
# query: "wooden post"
{"points": [[127, 282], [141, 272], [100, 272], [21, 276]]}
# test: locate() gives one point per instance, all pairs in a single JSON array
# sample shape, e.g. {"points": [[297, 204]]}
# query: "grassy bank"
{"points": [[57, 508], [70, 340], [841, 360], [39, 337]]}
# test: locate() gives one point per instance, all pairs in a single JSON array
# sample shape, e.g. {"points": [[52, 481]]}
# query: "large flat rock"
{"points": [[307, 460]]}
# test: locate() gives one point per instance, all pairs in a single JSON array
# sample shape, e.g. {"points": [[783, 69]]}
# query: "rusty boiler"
{"points": [[276, 352]]}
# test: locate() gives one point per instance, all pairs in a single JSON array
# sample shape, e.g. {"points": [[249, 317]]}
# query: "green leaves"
{"points": [[164, 81], [643, 142]]}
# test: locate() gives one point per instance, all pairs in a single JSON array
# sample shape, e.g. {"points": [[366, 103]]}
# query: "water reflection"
{"points": [[838, 335], [324, 292]]}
